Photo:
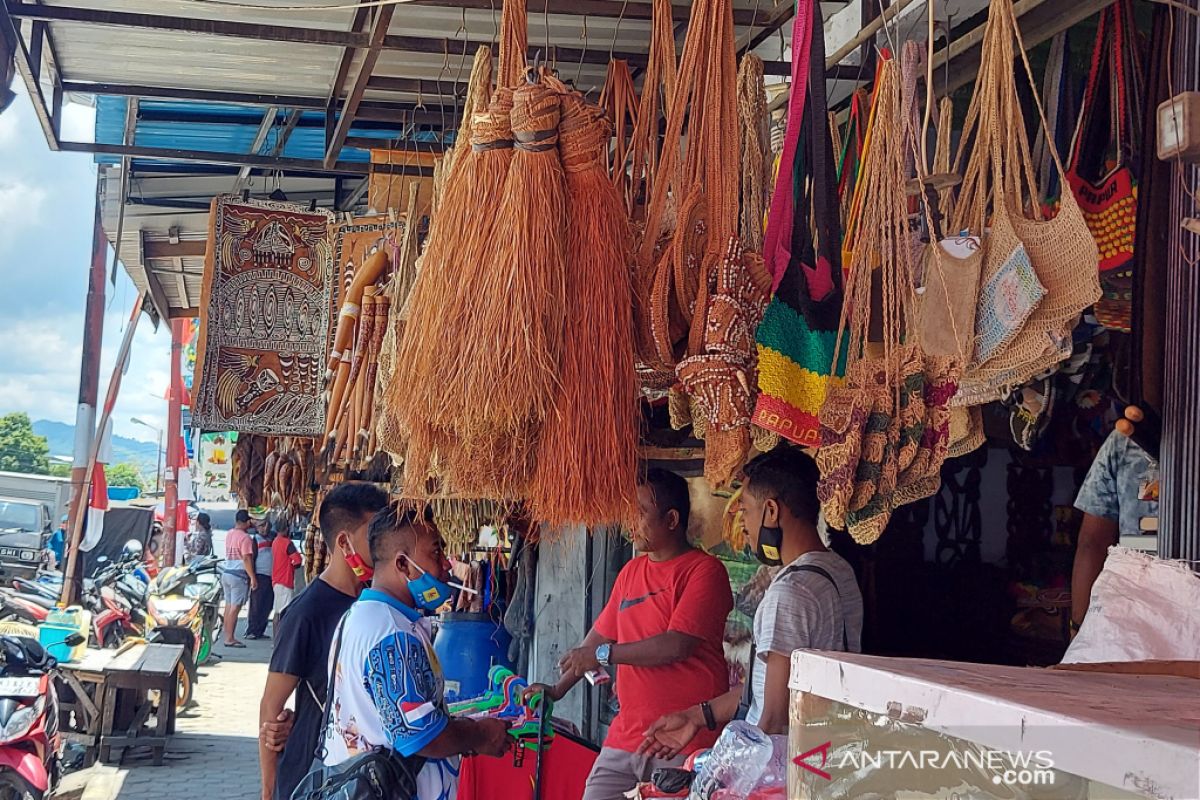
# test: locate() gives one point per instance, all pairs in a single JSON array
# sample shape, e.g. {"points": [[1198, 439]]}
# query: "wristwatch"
{"points": [[603, 654]]}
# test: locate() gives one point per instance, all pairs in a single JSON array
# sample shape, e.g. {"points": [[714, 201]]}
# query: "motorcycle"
{"points": [[114, 595], [182, 608], [30, 744]]}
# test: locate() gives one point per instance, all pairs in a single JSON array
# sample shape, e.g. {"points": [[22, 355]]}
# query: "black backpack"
{"points": [[378, 775]]}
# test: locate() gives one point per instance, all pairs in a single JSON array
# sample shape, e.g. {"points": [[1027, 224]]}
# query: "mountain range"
{"points": [[61, 437]]}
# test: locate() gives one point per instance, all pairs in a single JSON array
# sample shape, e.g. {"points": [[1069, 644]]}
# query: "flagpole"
{"points": [[89, 373], [79, 509]]}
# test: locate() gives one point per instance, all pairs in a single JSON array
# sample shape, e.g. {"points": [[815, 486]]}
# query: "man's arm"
{"points": [[248, 561], [271, 713], [774, 717], [1095, 536], [570, 667], [670, 734], [665, 648], [468, 736]]}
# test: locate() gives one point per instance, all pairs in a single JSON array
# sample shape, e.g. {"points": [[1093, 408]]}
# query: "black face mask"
{"points": [[770, 542]]}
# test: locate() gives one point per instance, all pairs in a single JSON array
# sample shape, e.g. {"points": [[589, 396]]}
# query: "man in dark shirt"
{"points": [[299, 663]]}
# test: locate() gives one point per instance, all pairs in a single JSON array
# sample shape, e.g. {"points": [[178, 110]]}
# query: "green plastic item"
{"points": [[494, 698]]}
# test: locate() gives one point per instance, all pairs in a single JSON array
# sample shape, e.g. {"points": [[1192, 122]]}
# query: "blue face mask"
{"points": [[428, 592]]}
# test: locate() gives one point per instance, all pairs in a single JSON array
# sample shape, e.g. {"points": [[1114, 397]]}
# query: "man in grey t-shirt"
{"points": [[813, 603]]}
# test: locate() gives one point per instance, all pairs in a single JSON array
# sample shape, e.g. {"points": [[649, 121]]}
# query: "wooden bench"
{"points": [[113, 699]]}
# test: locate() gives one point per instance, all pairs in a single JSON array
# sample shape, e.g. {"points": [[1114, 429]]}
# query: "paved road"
{"points": [[214, 753]]}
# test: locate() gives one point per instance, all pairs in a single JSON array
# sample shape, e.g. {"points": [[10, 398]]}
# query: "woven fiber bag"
{"points": [[1108, 197], [798, 337], [871, 427], [1061, 251]]}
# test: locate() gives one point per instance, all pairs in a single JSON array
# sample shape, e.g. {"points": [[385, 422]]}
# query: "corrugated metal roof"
{"points": [[167, 202]]}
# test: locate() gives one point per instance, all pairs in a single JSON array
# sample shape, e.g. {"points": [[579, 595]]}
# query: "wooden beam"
{"points": [[181, 287], [379, 29], [369, 143], [260, 138], [201, 95], [185, 313], [295, 35], [187, 248], [611, 9], [356, 194], [289, 127], [343, 71], [775, 20], [214, 27], [236, 159], [417, 86], [158, 297], [11, 32]]}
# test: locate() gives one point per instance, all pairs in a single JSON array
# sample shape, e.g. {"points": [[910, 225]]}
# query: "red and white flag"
{"points": [[98, 496]]}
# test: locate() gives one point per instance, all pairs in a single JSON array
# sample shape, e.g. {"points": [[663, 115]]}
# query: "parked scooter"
{"points": [[113, 595], [30, 745], [181, 605]]}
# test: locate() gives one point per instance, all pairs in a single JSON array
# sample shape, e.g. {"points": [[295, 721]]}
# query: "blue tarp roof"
{"points": [[232, 131]]}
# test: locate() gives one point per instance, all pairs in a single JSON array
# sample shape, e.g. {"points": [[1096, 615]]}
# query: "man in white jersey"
{"points": [[388, 684]]}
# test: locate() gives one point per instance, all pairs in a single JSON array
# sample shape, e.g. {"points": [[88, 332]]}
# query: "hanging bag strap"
{"points": [[777, 249], [327, 706]]}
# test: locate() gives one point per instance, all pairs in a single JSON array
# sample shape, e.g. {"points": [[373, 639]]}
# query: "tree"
{"points": [[22, 450], [60, 470], [124, 474]]}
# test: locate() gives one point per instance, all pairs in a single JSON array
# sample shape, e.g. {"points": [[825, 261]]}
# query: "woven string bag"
{"points": [[799, 332], [703, 180], [1061, 251], [872, 425]]}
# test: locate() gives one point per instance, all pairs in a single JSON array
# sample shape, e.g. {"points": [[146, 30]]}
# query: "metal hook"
{"points": [[551, 52], [753, 20], [584, 36], [441, 74], [531, 74], [617, 29]]}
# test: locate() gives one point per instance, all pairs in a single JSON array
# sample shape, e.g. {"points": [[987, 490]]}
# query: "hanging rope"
{"points": [[752, 123]]}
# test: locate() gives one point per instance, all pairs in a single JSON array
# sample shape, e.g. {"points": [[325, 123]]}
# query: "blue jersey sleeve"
{"points": [[399, 676]]}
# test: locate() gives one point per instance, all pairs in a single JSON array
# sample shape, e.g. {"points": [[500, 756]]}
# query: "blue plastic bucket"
{"points": [[467, 646]]}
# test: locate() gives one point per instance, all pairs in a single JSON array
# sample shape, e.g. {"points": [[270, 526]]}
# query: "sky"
{"points": [[47, 204]]}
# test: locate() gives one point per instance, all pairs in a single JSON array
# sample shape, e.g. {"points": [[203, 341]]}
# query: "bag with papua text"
{"points": [[376, 775]]}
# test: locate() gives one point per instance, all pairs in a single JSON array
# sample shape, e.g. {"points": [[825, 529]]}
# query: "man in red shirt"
{"points": [[662, 628], [285, 559]]}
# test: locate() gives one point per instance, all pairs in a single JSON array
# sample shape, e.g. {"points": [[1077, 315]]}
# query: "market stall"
{"points": [[925, 246]]}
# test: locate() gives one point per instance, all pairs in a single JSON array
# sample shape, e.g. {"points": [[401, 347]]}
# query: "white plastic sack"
{"points": [[1142, 608]]}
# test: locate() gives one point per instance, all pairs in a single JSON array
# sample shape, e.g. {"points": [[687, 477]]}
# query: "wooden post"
{"points": [[174, 441], [89, 393], [80, 504]]}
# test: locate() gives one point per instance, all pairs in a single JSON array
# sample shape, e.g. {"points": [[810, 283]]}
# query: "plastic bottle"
{"points": [[736, 763]]}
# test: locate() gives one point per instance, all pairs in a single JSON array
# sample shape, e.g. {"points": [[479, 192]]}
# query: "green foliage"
{"points": [[22, 450], [60, 470], [124, 474]]}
